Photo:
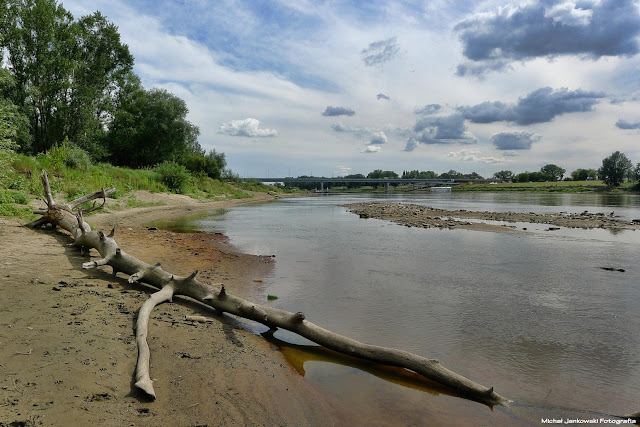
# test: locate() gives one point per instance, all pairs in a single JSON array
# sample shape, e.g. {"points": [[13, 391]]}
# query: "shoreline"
{"points": [[67, 344]]}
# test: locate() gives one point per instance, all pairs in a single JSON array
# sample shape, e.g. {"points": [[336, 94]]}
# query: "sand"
{"points": [[67, 346]]}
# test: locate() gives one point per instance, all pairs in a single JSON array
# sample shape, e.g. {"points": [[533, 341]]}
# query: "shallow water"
{"points": [[532, 315]]}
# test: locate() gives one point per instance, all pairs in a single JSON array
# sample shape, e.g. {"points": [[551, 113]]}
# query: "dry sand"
{"points": [[67, 346]]}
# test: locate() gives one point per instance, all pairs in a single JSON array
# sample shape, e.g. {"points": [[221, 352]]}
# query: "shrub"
{"points": [[68, 155], [77, 158], [174, 176]]}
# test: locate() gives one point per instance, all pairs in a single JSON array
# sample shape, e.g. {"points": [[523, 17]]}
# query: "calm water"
{"points": [[532, 315]]}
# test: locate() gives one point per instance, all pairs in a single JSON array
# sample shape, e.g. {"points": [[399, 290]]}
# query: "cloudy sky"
{"points": [[297, 87]]}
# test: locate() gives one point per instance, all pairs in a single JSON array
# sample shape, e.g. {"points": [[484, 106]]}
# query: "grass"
{"points": [[20, 183], [560, 186]]}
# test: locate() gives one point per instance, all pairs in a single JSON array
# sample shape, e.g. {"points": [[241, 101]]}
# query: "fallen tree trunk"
{"points": [[216, 296]]}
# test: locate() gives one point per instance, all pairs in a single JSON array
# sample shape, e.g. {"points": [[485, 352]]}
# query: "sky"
{"points": [[329, 88]]}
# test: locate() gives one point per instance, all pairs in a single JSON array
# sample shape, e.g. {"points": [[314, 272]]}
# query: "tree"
{"points": [[584, 174], [415, 174], [102, 65], [614, 169], [38, 37], [150, 127], [503, 175], [554, 171], [379, 173], [14, 126], [211, 164], [452, 174], [66, 72]]}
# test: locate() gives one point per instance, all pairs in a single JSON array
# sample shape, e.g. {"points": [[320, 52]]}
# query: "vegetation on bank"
{"points": [[552, 187], [72, 175]]}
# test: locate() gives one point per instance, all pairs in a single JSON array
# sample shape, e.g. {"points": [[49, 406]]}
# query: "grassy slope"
{"points": [[20, 183]]}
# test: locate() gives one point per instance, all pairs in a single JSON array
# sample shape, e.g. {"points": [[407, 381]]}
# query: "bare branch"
{"points": [[143, 380], [101, 194]]}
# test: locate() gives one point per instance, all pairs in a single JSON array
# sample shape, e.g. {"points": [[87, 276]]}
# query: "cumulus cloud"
{"points": [[623, 124], [443, 130], [341, 127], [440, 130], [380, 52], [518, 140], [547, 29], [473, 156], [378, 138], [412, 144], [338, 111], [540, 106], [382, 96], [428, 109], [371, 149], [247, 127]]}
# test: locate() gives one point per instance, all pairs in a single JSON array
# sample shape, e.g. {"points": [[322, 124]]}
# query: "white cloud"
{"points": [[247, 127], [371, 149], [378, 138], [474, 156]]}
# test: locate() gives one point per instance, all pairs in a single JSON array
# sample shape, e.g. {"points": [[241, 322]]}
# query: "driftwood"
{"points": [[216, 296]]}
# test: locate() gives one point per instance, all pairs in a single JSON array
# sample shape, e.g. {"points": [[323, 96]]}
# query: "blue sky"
{"points": [[296, 87]]}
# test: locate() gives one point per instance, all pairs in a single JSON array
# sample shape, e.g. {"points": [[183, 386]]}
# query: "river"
{"points": [[533, 315]]}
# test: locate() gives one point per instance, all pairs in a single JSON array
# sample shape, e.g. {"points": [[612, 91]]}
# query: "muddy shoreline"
{"points": [[67, 345], [411, 215]]}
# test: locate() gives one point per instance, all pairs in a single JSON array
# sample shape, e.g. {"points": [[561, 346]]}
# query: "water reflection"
{"points": [[297, 355]]}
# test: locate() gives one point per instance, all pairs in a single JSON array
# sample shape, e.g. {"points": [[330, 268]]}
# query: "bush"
{"points": [[77, 158], [68, 155], [174, 176]]}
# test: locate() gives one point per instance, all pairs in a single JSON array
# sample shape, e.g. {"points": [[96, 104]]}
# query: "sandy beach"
{"points": [[67, 345]]}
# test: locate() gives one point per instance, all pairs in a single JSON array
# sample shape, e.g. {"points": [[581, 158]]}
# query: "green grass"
{"points": [[20, 183], [560, 186]]}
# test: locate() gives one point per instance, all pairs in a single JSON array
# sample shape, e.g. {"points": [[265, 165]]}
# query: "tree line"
{"points": [[615, 169], [71, 81]]}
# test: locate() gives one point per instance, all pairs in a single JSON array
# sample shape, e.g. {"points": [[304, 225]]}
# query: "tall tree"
{"points": [[614, 169], [504, 175], [14, 126], [554, 171], [149, 127], [38, 38], [66, 72], [101, 67]]}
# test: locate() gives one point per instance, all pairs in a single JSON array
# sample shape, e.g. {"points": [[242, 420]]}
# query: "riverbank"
{"points": [[427, 217], [67, 347]]}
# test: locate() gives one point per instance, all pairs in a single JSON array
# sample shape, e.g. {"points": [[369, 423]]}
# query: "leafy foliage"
{"points": [[504, 175], [174, 175], [211, 164], [554, 171], [614, 169], [66, 71], [584, 174], [150, 127]]}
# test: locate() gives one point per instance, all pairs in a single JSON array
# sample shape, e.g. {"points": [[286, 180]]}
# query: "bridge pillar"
{"points": [[322, 187], [386, 187]]}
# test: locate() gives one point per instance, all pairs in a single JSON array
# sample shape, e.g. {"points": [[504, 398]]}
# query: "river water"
{"points": [[532, 315]]}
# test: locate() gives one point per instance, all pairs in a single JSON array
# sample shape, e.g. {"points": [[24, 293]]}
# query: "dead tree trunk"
{"points": [[217, 297]]}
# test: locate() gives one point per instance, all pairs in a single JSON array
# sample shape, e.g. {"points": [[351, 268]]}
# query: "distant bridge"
{"points": [[386, 181]]}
